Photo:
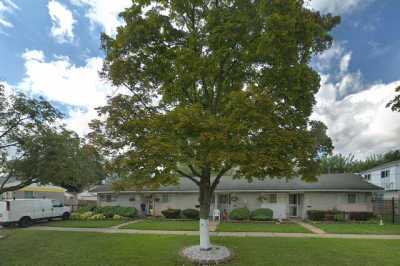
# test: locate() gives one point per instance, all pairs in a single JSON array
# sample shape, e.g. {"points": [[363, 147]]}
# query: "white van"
{"points": [[26, 211]]}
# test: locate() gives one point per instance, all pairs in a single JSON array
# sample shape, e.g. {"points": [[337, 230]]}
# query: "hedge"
{"points": [[334, 215], [110, 211], [263, 214], [239, 214], [171, 213], [191, 214], [315, 215], [86, 208], [360, 216]]}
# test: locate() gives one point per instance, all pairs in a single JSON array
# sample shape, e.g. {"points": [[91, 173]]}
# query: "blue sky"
{"points": [[52, 48]]}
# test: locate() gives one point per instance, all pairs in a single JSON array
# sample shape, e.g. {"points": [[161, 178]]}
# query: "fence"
{"points": [[387, 209]]}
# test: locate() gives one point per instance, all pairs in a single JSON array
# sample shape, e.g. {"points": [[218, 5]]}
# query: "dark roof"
{"points": [[328, 182], [385, 165]]}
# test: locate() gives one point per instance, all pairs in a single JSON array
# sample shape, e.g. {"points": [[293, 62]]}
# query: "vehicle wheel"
{"points": [[25, 222], [65, 216]]}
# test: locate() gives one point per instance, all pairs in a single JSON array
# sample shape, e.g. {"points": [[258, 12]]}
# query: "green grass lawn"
{"points": [[23, 247], [168, 225], [261, 227], [387, 229], [86, 224]]}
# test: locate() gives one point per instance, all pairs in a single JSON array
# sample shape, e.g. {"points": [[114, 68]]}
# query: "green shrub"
{"points": [[75, 216], [98, 216], [315, 215], [171, 213], [110, 211], [86, 215], [361, 216], [86, 208], [239, 214], [329, 215], [118, 217], [191, 214], [262, 214], [339, 217]]}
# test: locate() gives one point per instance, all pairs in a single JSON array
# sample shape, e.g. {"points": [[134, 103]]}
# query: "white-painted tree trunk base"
{"points": [[204, 235]]}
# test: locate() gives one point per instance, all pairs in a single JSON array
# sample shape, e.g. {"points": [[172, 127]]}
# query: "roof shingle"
{"points": [[327, 182]]}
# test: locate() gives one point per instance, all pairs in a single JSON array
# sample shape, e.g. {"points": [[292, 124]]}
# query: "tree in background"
{"points": [[210, 88], [395, 103], [35, 147], [340, 163], [337, 163]]}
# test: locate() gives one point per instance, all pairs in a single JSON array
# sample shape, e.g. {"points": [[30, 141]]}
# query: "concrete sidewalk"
{"points": [[118, 226], [222, 234], [310, 227]]}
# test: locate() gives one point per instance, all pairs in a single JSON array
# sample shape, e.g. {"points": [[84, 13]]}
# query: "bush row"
{"points": [[335, 215], [262, 214], [109, 211], [93, 216], [237, 214], [177, 214]]}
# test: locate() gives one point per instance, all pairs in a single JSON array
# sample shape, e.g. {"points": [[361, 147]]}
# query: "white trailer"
{"points": [[26, 211]]}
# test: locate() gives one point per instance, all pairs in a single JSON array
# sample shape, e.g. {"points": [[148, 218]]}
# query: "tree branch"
{"points": [[8, 145], [14, 125], [218, 177], [17, 187], [194, 170], [4, 182], [188, 176]]}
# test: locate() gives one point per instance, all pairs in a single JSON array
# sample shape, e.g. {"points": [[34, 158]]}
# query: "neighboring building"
{"points": [[386, 176], [292, 198], [35, 191], [87, 196]]}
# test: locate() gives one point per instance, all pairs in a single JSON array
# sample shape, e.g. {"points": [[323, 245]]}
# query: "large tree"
{"points": [[36, 148], [208, 87]]}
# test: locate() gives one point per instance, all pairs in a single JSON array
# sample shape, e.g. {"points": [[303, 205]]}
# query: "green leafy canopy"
{"points": [[213, 87], [35, 147]]}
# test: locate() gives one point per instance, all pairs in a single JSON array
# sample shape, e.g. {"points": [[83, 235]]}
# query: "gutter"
{"points": [[243, 191]]}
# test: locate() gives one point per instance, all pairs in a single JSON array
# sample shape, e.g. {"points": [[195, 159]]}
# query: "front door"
{"points": [[150, 207], [293, 205], [223, 202]]}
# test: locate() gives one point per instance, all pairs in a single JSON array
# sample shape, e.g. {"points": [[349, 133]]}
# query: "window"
{"points": [[367, 177], [109, 198], [351, 197], [28, 194], [223, 199], [164, 198], [385, 173], [272, 198], [57, 204]]}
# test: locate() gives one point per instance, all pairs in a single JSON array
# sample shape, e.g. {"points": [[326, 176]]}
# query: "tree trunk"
{"points": [[205, 201]]}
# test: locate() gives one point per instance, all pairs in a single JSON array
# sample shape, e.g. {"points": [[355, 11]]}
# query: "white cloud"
{"points": [[344, 62], [355, 113], [337, 6], [33, 55], [6, 7], [62, 22], [104, 12], [60, 80]]}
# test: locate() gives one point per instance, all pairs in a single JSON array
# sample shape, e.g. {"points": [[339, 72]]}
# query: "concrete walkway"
{"points": [[121, 225], [223, 234], [310, 227]]}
